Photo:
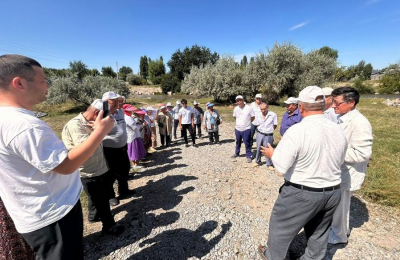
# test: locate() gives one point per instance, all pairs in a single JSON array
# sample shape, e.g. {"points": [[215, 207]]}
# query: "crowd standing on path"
{"points": [[322, 157]]}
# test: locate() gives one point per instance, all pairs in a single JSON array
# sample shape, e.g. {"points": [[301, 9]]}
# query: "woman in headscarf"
{"points": [[211, 122], [136, 150]]}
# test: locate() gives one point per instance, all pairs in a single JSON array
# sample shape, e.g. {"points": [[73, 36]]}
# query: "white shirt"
{"points": [[331, 115], [35, 196], [266, 125], [311, 152], [256, 108], [186, 114], [243, 117], [132, 129]]}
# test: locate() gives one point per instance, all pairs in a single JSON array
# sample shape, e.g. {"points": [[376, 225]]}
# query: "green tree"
{"points": [[156, 70], [181, 62], [144, 67], [125, 70], [170, 82], [366, 73], [108, 72], [134, 79], [243, 62], [329, 52], [390, 82], [78, 68], [50, 72], [94, 72]]}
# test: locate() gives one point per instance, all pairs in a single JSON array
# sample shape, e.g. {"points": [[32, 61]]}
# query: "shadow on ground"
{"points": [[139, 223], [358, 216]]}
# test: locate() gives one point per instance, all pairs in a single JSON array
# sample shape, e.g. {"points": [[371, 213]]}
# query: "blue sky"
{"points": [[101, 33]]}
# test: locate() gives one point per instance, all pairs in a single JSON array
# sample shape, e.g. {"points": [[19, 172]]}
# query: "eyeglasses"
{"points": [[338, 104]]}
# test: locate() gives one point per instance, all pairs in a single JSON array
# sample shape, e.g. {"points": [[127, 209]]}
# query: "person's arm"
{"points": [[180, 122], [80, 153], [192, 118], [359, 148], [252, 118]]}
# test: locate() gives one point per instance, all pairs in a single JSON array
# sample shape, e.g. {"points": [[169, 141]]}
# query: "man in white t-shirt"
{"points": [[40, 184], [176, 118], [309, 156], [244, 115], [186, 122], [255, 105]]}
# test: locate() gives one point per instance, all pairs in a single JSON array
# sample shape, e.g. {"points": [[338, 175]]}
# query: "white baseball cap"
{"points": [[98, 104], [327, 91], [169, 104], [109, 95], [310, 95], [258, 96], [178, 102], [149, 108], [195, 103], [239, 97], [291, 100]]}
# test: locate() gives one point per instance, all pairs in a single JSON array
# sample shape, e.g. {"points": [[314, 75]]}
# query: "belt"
{"points": [[302, 187], [264, 133]]}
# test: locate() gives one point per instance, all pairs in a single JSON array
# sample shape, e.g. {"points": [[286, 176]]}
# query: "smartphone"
{"points": [[105, 109]]}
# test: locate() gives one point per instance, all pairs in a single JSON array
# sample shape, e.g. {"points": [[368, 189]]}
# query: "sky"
{"points": [[104, 33]]}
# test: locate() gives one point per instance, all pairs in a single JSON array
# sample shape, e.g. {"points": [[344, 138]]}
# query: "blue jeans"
{"points": [[245, 137], [253, 131]]}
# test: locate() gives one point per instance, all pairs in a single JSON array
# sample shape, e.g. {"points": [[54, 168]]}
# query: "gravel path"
{"points": [[198, 203]]}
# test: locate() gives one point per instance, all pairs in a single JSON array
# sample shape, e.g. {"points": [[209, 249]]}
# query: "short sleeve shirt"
{"points": [[186, 114], [266, 125], [243, 117], [117, 137]]}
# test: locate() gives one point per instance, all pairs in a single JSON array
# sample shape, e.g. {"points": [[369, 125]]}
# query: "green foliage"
{"points": [[84, 90], [363, 87], [144, 67], [108, 72], [134, 79], [181, 62], [49, 72], [243, 62], [94, 72], [156, 71], [170, 82], [125, 70], [390, 82], [329, 52], [78, 68], [361, 70]]}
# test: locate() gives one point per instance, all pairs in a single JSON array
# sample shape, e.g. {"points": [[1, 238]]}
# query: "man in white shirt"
{"points": [[244, 115], [267, 122], [309, 155], [40, 184], [186, 122], [329, 111], [176, 118], [255, 105], [358, 132]]}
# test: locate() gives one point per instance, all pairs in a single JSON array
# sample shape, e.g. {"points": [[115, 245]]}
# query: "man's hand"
{"points": [[104, 125], [180, 127], [267, 151]]}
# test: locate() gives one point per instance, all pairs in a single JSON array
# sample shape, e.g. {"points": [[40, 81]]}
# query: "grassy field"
{"points": [[382, 183]]}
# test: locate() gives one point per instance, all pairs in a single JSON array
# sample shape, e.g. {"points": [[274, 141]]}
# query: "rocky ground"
{"points": [[198, 203]]}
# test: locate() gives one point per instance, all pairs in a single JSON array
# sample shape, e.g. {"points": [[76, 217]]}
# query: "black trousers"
{"points": [[198, 126], [184, 133], [119, 164], [176, 124], [61, 239], [165, 139], [212, 136], [98, 205]]}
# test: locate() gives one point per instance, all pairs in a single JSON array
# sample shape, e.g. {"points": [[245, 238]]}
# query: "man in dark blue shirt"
{"points": [[292, 115]]}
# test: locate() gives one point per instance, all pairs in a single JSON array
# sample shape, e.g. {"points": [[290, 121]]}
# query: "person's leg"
{"points": [[192, 135], [268, 140], [253, 131], [292, 210], [194, 129], [246, 140], [110, 157], [153, 137], [216, 136], [123, 171], [238, 136], [184, 133], [176, 123], [162, 139], [211, 137], [168, 140], [62, 239], [199, 129], [340, 223], [259, 140], [92, 211]]}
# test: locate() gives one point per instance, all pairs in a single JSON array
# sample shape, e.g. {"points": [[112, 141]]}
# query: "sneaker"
{"points": [[187, 145], [248, 160], [235, 156], [195, 145], [255, 164], [271, 167], [114, 202], [114, 230]]}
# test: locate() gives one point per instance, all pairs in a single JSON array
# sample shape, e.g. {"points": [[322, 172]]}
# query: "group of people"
{"points": [[323, 152]]}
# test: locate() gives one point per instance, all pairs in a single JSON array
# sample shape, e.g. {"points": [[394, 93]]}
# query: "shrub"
{"points": [[363, 87], [170, 82], [134, 79], [85, 90], [390, 82]]}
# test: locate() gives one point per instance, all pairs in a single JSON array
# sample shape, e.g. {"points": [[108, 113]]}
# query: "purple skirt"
{"points": [[136, 150]]}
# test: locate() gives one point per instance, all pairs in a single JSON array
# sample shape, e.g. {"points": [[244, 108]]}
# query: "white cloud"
{"points": [[297, 26], [239, 57]]}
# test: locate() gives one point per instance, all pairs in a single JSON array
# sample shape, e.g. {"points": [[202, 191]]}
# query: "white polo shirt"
{"points": [[186, 114], [266, 125], [243, 117], [34, 195], [311, 152], [256, 108]]}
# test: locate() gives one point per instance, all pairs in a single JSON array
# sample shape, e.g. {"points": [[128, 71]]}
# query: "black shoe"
{"points": [[114, 202], [210, 143], [187, 145], [114, 230], [94, 220], [235, 156], [126, 194]]}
